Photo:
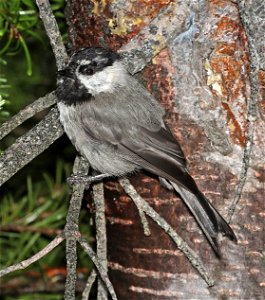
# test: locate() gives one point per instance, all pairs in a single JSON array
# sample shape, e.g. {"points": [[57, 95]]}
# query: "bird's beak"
{"points": [[66, 73]]}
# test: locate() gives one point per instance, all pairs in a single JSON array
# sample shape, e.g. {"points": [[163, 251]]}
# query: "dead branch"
{"points": [[26, 113], [53, 33], [80, 167], [143, 218], [30, 145], [25, 263], [103, 273], [91, 279], [101, 234]]}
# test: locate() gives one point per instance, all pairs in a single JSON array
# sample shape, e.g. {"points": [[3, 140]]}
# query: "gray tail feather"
{"points": [[210, 221]]}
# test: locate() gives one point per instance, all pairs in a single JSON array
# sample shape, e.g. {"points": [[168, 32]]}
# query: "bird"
{"points": [[118, 126]]}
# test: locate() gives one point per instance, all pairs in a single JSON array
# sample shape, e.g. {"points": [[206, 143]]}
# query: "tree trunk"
{"points": [[202, 79]]}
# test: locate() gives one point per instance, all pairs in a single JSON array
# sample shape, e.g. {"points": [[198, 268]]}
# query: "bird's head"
{"points": [[95, 69]]}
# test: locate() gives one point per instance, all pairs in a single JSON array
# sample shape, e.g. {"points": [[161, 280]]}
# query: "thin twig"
{"points": [[90, 281], [26, 113], [101, 236], [143, 218], [140, 208], [252, 106], [102, 272], [72, 226], [53, 33], [25, 263], [190, 254]]}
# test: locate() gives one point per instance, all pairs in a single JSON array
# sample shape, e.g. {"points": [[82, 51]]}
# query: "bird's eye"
{"points": [[86, 70], [94, 63]]}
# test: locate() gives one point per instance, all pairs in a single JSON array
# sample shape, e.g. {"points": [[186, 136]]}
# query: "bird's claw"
{"points": [[85, 179]]}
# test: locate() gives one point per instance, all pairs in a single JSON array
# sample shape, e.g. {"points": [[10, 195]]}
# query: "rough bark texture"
{"points": [[202, 80], [30, 145]]}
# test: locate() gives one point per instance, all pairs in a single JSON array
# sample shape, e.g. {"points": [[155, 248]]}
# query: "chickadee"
{"points": [[115, 123]]}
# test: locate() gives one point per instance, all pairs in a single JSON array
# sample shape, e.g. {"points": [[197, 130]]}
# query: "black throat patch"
{"points": [[71, 92]]}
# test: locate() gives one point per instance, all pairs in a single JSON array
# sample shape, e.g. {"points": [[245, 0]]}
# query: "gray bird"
{"points": [[116, 124]]}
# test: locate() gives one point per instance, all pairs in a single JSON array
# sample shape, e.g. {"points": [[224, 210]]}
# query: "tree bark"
{"points": [[202, 79]]}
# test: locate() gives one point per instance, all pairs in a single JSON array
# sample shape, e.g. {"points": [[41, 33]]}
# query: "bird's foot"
{"points": [[86, 179]]}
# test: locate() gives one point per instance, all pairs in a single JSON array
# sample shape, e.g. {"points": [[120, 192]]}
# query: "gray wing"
{"points": [[138, 131], [134, 126]]}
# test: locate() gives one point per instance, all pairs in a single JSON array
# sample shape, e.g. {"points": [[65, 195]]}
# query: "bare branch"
{"points": [[141, 211], [98, 196], [190, 254], [71, 263], [53, 32], [25, 263], [26, 113], [144, 222], [81, 167], [91, 279], [101, 270], [30, 145], [252, 106]]}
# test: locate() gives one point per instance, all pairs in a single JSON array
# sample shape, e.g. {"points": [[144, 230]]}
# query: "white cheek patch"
{"points": [[106, 80]]}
